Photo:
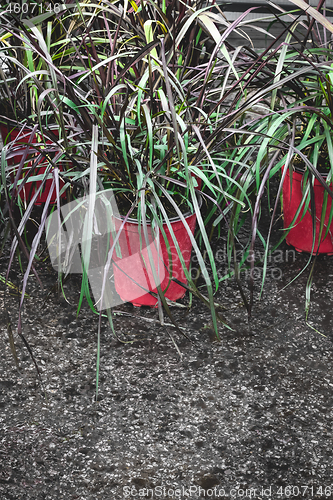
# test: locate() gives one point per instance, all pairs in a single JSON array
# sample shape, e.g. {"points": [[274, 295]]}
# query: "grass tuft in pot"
{"points": [[142, 107], [294, 138]]}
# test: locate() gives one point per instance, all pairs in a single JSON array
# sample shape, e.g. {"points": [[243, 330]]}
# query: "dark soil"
{"points": [[247, 417]]}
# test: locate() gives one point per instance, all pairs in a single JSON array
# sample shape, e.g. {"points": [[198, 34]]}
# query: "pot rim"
{"points": [[300, 170], [186, 215]]}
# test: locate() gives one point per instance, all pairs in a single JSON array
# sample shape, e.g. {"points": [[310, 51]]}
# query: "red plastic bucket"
{"points": [[133, 276], [300, 236], [29, 189]]}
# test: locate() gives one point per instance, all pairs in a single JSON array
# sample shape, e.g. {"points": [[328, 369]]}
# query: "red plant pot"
{"points": [[301, 234], [29, 189], [133, 276]]}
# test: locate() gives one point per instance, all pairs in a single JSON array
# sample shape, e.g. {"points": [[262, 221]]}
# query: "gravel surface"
{"points": [[247, 417]]}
